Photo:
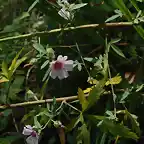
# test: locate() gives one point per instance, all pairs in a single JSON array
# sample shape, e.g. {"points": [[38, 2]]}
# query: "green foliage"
{"points": [[8, 139], [101, 100]]}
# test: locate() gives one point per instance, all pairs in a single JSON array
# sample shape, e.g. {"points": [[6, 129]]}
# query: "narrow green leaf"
{"points": [[82, 99], [134, 3], [77, 6], [12, 66], [42, 92], [110, 114], [89, 59], [26, 116], [112, 18], [19, 62], [118, 129], [24, 15], [5, 69], [103, 139], [33, 5], [117, 50], [113, 41], [95, 118], [15, 87], [134, 122], [83, 134], [95, 94], [3, 79], [73, 124], [45, 64], [140, 87], [46, 75], [121, 5], [36, 123], [79, 67], [124, 96], [39, 48]]}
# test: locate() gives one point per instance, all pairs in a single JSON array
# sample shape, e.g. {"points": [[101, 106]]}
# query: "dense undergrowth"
{"points": [[72, 71]]}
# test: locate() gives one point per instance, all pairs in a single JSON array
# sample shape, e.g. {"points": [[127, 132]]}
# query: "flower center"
{"points": [[33, 134], [58, 65]]}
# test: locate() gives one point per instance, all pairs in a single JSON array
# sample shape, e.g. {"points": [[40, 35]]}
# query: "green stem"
{"points": [[113, 93], [25, 36], [72, 107], [82, 59], [134, 3], [69, 98]]}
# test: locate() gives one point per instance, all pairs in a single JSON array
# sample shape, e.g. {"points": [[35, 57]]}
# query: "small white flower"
{"points": [[60, 67], [33, 136]]}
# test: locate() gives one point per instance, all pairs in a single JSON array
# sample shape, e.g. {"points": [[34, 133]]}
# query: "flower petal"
{"points": [[29, 127], [32, 140], [65, 58], [60, 57], [68, 65], [62, 74], [52, 64], [27, 130], [54, 73]]}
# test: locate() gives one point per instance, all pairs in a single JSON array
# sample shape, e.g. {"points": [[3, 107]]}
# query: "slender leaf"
{"points": [[117, 129], [95, 93], [3, 79], [124, 96], [46, 75], [83, 134], [77, 6], [39, 48], [117, 50], [82, 99], [5, 69], [103, 139], [121, 5], [33, 5], [12, 66], [113, 41], [134, 122], [45, 64], [18, 63], [73, 123], [134, 3], [112, 18]]}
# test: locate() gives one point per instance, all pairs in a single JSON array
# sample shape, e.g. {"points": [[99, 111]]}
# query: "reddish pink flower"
{"points": [[60, 67], [33, 136]]}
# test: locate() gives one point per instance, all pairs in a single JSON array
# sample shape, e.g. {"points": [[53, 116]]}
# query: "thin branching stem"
{"points": [[14, 122], [82, 59], [25, 36], [113, 93], [61, 99], [72, 107]]}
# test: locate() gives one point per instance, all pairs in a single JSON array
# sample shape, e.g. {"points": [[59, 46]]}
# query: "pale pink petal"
{"points": [[68, 65], [29, 127], [32, 140], [52, 64], [54, 74], [65, 58], [62, 74], [60, 57], [27, 131]]}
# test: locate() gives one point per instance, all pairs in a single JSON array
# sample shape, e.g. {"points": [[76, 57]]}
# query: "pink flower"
{"points": [[60, 67], [33, 136]]}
